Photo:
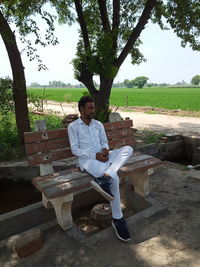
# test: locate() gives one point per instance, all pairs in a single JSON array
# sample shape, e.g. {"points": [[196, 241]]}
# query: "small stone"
{"points": [[101, 215], [28, 243]]}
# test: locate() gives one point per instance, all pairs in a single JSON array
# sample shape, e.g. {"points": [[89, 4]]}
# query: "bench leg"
{"points": [[140, 182], [46, 202], [62, 207]]}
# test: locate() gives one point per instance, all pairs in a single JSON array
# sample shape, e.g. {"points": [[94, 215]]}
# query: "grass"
{"points": [[161, 97]]}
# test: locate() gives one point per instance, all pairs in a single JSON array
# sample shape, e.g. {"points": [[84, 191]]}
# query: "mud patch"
{"points": [[17, 194]]}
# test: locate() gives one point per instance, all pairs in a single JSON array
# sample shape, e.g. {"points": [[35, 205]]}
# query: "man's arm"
{"points": [[103, 139], [104, 145]]}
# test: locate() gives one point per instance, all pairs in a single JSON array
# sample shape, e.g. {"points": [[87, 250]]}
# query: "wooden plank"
{"points": [[121, 142], [31, 137], [56, 174], [66, 188], [46, 146], [139, 166], [60, 179], [73, 174], [110, 126], [119, 133], [135, 158], [49, 157]]}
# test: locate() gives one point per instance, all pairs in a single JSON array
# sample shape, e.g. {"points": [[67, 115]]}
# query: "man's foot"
{"points": [[121, 229], [102, 185]]}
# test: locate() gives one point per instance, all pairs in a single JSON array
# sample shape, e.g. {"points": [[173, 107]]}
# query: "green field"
{"points": [[169, 98]]}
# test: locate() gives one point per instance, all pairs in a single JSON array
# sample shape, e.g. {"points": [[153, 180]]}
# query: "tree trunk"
{"points": [[19, 82], [101, 97]]}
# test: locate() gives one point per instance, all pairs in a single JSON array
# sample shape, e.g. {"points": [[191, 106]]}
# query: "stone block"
{"points": [[172, 150], [114, 117], [28, 243], [173, 137]]}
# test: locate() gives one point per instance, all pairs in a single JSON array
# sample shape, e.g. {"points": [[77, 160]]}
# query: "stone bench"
{"points": [[58, 189]]}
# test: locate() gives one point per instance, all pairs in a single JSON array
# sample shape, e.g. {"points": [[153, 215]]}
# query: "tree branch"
{"points": [[104, 15], [150, 5], [115, 22], [82, 23]]}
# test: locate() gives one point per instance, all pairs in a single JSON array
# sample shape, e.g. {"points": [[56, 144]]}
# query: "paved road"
{"points": [[157, 122]]}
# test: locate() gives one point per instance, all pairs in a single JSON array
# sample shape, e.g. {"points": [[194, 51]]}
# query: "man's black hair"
{"points": [[83, 100]]}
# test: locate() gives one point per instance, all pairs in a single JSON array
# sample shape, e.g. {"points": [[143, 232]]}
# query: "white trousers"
{"points": [[117, 159]]}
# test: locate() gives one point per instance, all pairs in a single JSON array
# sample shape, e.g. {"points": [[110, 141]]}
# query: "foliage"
{"points": [[195, 80], [86, 93], [53, 121], [152, 136], [101, 115], [140, 81], [106, 29], [21, 13], [6, 95], [35, 100], [8, 136], [9, 142]]}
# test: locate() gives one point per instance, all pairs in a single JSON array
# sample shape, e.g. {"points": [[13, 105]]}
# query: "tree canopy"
{"points": [[110, 30], [195, 80]]}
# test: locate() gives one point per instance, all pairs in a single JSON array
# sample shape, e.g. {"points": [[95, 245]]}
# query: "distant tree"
{"points": [[128, 83], [35, 84], [163, 84], [181, 83], [57, 84], [118, 84], [195, 80], [140, 81]]}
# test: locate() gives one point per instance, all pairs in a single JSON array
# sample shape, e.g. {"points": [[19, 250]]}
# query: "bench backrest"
{"points": [[49, 145]]}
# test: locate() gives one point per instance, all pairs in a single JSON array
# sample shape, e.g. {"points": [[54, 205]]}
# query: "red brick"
{"points": [[28, 243]]}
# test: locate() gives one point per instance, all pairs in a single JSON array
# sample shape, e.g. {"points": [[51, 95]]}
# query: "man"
{"points": [[89, 143]]}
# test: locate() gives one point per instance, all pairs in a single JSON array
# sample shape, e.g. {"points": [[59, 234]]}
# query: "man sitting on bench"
{"points": [[89, 143]]}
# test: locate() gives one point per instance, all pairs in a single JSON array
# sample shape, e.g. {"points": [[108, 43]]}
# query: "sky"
{"points": [[167, 61]]}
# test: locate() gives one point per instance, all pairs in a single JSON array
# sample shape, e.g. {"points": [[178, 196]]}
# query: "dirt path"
{"points": [[156, 122]]}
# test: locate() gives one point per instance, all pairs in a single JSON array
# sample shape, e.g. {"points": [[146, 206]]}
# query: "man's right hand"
{"points": [[101, 157]]}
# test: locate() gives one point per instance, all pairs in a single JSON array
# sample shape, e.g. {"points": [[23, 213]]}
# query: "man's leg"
{"points": [[99, 183], [117, 159], [116, 202]]}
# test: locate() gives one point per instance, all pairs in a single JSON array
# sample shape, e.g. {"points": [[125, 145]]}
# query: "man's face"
{"points": [[89, 110]]}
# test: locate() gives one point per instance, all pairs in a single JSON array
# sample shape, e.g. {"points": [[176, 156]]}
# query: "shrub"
{"points": [[6, 95], [10, 147], [35, 100]]}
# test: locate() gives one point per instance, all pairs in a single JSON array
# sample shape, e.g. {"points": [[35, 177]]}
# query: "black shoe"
{"points": [[102, 185], [121, 229]]}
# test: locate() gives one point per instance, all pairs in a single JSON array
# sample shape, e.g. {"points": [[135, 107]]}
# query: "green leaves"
{"points": [[184, 18], [6, 95], [195, 80]]}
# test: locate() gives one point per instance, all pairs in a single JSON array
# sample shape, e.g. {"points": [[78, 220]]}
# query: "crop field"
{"points": [[169, 98]]}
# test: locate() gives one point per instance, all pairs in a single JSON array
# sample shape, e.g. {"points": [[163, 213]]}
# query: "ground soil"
{"points": [[168, 239], [17, 194]]}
